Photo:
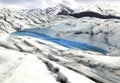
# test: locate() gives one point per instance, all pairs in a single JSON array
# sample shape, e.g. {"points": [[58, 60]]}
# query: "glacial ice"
{"points": [[63, 42], [28, 59]]}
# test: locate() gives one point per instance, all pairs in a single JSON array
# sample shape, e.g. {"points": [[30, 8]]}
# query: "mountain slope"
{"points": [[59, 9], [101, 8], [106, 9]]}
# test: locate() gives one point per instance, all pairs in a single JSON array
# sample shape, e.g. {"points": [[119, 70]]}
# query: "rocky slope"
{"points": [[100, 8], [25, 59], [59, 9]]}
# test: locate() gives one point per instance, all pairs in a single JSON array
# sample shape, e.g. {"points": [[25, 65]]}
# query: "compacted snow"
{"points": [[36, 47]]}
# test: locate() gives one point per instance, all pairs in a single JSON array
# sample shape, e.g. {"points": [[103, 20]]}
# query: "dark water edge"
{"points": [[63, 42], [93, 14]]}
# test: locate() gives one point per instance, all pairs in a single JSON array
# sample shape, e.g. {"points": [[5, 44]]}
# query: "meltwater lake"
{"points": [[66, 43]]}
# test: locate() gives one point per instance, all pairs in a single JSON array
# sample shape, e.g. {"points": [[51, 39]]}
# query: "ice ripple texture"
{"points": [[66, 43]]}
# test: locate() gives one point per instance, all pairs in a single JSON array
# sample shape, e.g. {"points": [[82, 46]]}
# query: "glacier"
{"points": [[35, 47], [63, 42]]}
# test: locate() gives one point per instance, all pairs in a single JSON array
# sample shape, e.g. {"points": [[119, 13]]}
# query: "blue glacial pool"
{"points": [[63, 42]]}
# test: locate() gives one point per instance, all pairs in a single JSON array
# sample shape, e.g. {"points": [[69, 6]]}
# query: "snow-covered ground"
{"points": [[27, 59]]}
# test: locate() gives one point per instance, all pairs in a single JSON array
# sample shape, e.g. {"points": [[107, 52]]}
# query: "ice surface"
{"points": [[29, 59], [63, 42]]}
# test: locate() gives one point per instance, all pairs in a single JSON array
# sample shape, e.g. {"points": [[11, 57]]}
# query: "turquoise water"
{"points": [[63, 42]]}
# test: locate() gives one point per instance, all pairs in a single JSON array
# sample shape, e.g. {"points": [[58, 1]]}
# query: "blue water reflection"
{"points": [[63, 42]]}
